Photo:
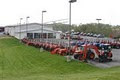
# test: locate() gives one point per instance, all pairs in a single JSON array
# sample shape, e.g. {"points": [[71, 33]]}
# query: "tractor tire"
{"points": [[103, 58], [109, 60], [90, 56], [111, 55], [81, 57], [117, 47], [67, 53], [78, 56]]}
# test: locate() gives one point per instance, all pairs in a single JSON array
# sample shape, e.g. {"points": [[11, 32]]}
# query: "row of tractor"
{"points": [[99, 44], [83, 52]]}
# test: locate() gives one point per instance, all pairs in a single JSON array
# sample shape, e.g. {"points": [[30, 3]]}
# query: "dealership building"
{"points": [[32, 30]]}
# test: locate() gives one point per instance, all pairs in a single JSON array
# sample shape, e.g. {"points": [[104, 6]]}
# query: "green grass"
{"points": [[21, 62]]}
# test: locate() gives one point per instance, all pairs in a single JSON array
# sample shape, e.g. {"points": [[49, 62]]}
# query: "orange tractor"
{"points": [[89, 51], [60, 50]]}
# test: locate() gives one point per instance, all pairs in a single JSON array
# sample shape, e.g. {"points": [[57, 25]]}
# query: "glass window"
{"points": [[36, 35], [44, 35], [50, 35], [30, 35]]}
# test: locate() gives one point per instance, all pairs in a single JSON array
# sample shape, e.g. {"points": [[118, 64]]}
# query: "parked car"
{"points": [[88, 34], [91, 34], [81, 33], [84, 34], [94, 35], [100, 36]]}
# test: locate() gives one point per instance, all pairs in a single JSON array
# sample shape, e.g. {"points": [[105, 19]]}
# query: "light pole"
{"points": [[27, 25], [71, 1], [98, 20], [98, 23], [41, 49], [20, 29], [42, 26]]}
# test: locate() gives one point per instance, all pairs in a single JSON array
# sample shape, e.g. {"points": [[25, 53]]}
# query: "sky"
{"points": [[83, 11]]}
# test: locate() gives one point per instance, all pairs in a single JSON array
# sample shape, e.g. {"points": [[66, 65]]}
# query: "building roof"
{"points": [[40, 30], [29, 24]]}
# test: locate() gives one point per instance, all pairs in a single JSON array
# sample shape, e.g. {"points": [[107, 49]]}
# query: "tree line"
{"points": [[106, 29]]}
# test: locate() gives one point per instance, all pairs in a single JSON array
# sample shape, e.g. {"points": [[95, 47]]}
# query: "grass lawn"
{"points": [[21, 62]]}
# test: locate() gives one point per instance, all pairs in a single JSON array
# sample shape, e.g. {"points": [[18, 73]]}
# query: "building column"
{"points": [[33, 35], [47, 35]]}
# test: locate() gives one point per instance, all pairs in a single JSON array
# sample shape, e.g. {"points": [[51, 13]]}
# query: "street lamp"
{"points": [[42, 25], [27, 25], [71, 1], [20, 29], [41, 49], [98, 20], [98, 23]]}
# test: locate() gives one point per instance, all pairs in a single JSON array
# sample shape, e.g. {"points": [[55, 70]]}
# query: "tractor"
{"points": [[86, 52], [61, 50], [106, 53]]}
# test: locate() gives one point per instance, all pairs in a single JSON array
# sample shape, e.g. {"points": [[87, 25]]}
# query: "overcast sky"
{"points": [[83, 11]]}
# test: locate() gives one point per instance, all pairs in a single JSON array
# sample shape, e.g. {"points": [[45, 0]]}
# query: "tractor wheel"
{"points": [[111, 55], [103, 58], [81, 57], [91, 56], [78, 56], [56, 51]]}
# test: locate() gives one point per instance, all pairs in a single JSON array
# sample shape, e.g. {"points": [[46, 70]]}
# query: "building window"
{"points": [[50, 35], [36, 35], [30, 35], [44, 35]]}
